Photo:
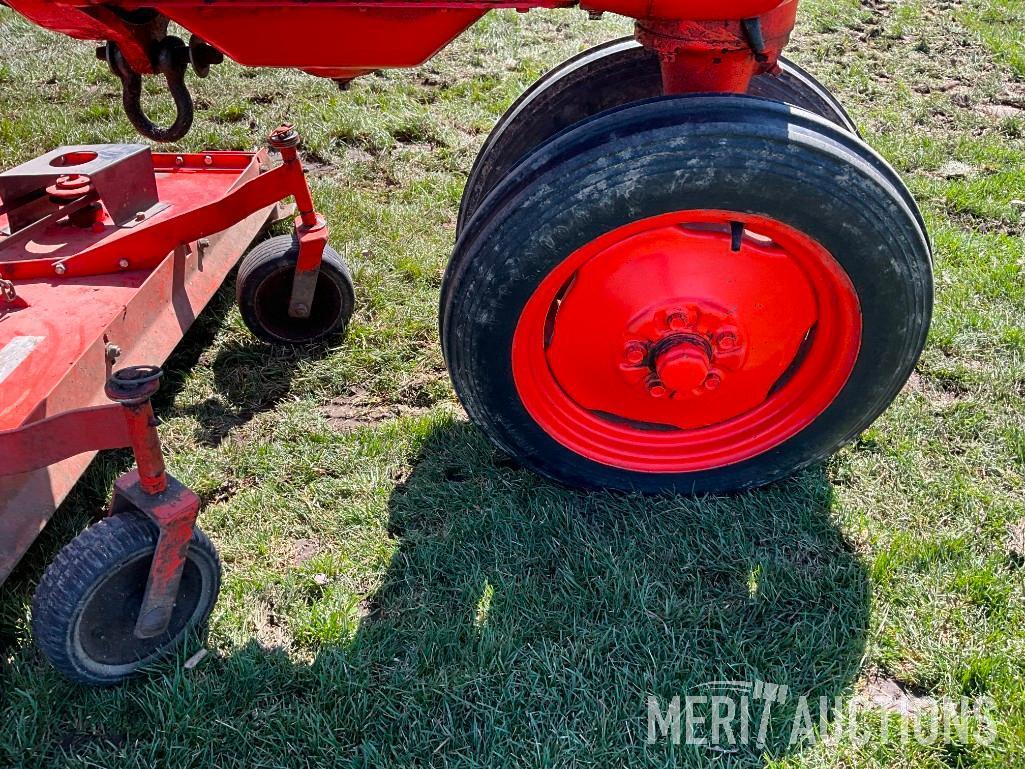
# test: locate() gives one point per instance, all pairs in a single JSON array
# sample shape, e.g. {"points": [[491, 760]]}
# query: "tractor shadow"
{"points": [[517, 618], [515, 608], [520, 618]]}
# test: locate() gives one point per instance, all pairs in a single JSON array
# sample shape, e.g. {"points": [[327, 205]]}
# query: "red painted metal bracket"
{"points": [[174, 511], [310, 227], [129, 422], [153, 239], [34, 446]]}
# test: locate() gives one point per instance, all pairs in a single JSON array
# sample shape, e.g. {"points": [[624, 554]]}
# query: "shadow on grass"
{"points": [[250, 377], [521, 617], [521, 623]]}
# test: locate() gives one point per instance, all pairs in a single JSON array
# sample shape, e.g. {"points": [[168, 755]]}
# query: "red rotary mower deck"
{"points": [[108, 253], [59, 336]]}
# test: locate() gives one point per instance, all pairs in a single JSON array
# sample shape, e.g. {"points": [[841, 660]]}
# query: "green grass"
{"points": [[400, 595]]}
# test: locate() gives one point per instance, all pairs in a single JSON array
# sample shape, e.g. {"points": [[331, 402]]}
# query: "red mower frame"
{"points": [[42, 449]]}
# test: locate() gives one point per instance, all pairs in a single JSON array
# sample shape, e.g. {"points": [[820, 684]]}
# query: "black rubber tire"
{"points": [[682, 153], [264, 285], [604, 77], [85, 607]]}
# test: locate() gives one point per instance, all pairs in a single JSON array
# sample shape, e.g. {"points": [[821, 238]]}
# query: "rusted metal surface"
{"points": [[120, 174], [174, 510]]}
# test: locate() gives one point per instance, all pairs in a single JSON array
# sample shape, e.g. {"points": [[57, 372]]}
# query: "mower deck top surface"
{"points": [[59, 319]]}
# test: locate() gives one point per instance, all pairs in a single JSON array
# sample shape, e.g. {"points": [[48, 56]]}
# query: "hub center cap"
{"points": [[683, 366]]}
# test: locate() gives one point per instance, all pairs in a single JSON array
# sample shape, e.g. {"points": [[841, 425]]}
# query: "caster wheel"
{"points": [[697, 294], [264, 286], [85, 608], [607, 76]]}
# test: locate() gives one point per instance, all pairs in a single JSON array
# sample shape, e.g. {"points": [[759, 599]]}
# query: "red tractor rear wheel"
{"points": [[611, 75], [697, 294]]}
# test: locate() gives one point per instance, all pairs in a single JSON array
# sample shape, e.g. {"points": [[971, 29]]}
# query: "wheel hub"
{"points": [[680, 326], [682, 367], [687, 353]]}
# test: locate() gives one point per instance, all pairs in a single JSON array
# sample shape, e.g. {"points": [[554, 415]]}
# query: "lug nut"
{"points": [[677, 321], [635, 352], [712, 382], [727, 340]]}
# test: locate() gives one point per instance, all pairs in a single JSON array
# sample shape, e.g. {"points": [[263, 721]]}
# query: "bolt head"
{"points": [[656, 390], [726, 341], [678, 320], [60, 269], [635, 353], [140, 216], [123, 264], [712, 382], [683, 366]]}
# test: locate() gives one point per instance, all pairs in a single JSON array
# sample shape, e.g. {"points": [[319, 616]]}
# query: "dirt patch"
{"points": [[1016, 540], [356, 155], [359, 410], [887, 693], [939, 397], [1001, 111], [303, 550], [269, 628], [955, 169]]}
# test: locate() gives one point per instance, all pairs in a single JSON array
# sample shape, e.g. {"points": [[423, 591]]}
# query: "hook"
{"points": [[171, 63]]}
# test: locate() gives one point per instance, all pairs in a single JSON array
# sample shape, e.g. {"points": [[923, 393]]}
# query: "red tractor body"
{"points": [[342, 39]]}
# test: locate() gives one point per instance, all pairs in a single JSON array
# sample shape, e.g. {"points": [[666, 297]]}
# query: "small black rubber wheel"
{"points": [[264, 286], [603, 77], [697, 294], [85, 608]]}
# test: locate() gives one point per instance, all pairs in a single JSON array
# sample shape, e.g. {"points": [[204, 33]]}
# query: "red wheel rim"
{"points": [[686, 341]]}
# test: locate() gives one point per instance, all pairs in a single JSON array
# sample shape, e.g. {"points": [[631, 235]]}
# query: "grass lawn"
{"points": [[398, 594]]}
